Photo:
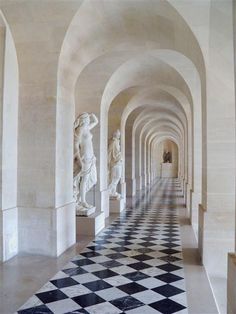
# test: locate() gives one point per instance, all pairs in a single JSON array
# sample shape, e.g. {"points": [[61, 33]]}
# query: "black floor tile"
{"points": [[126, 303], [131, 288], [135, 276], [111, 264], [64, 282], [90, 254], [97, 285], [51, 296], [41, 309], [139, 266], [83, 262], [116, 256], [105, 273], [169, 251], [169, 267], [168, 277], [170, 258], [142, 257], [167, 306], [86, 300], [168, 290], [74, 271]]}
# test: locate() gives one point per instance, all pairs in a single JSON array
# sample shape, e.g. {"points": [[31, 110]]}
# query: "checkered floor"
{"points": [[134, 266]]}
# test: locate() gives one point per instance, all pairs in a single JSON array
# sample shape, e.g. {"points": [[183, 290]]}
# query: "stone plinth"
{"points": [[81, 211], [46, 231], [91, 225], [116, 205], [9, 233], [167, 170]]}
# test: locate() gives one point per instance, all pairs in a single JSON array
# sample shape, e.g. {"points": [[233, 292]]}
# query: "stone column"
{"points": [[9, 127], [219, 175], [231, 268], [2, 55], [46, 225]]}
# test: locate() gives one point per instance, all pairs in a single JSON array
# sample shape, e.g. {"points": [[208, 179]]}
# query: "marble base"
{"points": [[117, 205], [167, 170], [91, 225], [218, 240], [81, 211], [104, 202], [8, 233], [46, 231]]}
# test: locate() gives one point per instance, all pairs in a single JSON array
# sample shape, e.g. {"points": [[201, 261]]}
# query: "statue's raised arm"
{"points": [[93, 121]]}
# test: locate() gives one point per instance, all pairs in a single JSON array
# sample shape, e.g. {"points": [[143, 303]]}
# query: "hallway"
{"points": [[135, 265], [118, 146]]}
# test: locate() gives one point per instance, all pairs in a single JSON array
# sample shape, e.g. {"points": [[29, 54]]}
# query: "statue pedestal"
{"points": [[167, 170], [81, 211], [91, 225], [117, 205]]}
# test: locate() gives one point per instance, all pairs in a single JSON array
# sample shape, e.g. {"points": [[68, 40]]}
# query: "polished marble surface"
{"points": [[134, 266]]}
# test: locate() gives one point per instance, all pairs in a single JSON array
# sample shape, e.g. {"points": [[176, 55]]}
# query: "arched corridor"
{"points": [[118, 110]]}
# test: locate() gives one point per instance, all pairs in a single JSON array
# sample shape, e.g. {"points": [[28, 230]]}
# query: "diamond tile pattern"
{"points": [[133, 266]]}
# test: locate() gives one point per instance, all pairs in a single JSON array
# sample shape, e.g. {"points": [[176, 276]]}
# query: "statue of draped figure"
{"points": [[115, 164], [85, 173]]}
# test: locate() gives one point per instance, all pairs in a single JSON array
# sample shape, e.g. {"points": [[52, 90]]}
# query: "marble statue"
{"points": [[85, 173], [115, 164], [167, 158]]}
